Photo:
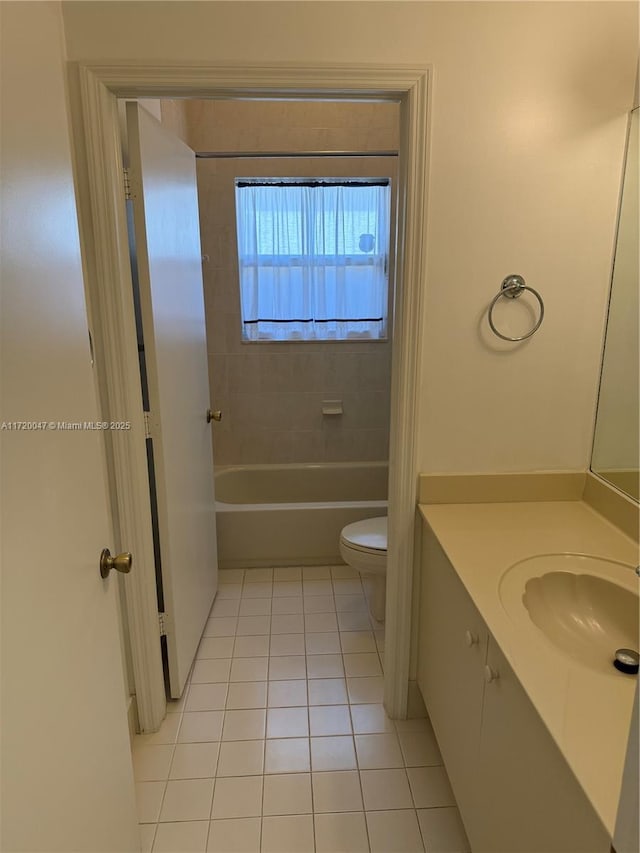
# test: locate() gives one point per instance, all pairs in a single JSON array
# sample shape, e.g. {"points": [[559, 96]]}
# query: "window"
{"points": [[313, 258]]}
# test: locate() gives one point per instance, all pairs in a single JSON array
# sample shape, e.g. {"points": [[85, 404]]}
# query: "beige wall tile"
{"points": [[272, 394]]}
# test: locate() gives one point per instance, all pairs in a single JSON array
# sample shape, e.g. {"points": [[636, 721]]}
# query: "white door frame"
{"points": [[94, 88]]}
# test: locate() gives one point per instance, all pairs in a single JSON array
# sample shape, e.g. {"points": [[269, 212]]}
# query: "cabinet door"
{"points": [[452, 651], [531, 801]]}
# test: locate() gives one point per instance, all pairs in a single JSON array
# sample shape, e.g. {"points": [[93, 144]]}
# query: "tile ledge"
{"points": [[500, 487]]}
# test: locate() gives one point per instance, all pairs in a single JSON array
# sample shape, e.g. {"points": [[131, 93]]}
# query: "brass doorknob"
{"points": [[121, 563], [213, 415]]}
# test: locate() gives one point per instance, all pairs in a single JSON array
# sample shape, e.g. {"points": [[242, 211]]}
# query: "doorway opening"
{"points": [[284, 234], [104, 230]]}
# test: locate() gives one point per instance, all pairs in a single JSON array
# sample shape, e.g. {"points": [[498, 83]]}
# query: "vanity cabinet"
{"points": [[515, 791]]}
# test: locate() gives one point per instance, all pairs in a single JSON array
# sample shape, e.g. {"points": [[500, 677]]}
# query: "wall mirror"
{"points": [[616, 440]]}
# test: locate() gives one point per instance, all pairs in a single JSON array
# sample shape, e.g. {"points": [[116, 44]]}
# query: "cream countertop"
{"points": [[587, 713]]}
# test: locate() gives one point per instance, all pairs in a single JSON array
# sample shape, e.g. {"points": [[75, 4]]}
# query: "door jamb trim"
{"points": [[94, 88]]}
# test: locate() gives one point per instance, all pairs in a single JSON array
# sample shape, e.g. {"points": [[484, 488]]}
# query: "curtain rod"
{"points": [[266, 155]]}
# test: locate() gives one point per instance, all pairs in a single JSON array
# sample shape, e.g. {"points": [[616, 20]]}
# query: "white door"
{"points": [[67, 782], [169, 262]]}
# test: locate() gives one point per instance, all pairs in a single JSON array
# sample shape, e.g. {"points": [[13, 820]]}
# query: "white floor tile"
{"points": [[351, 603], [325, 666], [149, 800], [207, 697], [287, 794], [420, 724], [365, 691], [225, 607], [176, 706], [394, 830], [287, 694], [287, 755], [244, 725], [319, 604], [420, 749], [221, 627], [184, 837], [236, 835], [250, 626], [249, 669], [282, 623], [251, 694], [347, 586], [332, 753], [354, 621], [323, 644], [200, 726], [286, 604], [237, 797], [316, 587], [291, 834], [337, 791], [442, 831], [257, 590], [151, 763], [337, 833], [320, 623], [255, 607], [378, 751], [285, 667], [229, 590], [313, 660], [330, 720], [430, 787], [385, 789], [370, 719], [210, 671], [194, 761], [187, 799], [287, 722], [252, 647], [286, 589], [356, 642], [327, 691], [167, 733], [215, 647], [362, 665], [240, 758], [287, 644]]}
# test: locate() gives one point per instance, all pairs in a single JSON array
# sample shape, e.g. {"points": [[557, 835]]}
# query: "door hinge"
{"points": [[162, 624], [127, 184], [147, 424]]}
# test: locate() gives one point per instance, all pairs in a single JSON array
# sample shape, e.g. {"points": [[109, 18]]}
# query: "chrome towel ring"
{"points": [[513, 286]]}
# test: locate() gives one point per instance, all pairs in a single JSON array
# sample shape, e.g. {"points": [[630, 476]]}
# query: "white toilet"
{"points": [[363, 546]]}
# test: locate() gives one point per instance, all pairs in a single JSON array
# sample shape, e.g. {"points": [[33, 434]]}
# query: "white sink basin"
{"points": [[587, 607]]}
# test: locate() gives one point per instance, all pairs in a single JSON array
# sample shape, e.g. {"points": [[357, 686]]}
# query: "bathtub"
{"points": [[292, 515]]}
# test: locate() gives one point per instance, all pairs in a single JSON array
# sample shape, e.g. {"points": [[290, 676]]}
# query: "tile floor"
{"points": [[280, 743]]}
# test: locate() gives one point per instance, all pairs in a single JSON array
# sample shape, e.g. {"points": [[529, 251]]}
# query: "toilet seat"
{"points": [[363, 545]]}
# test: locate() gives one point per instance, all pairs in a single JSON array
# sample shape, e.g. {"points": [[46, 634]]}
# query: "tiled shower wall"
{"points": [[271, 393]]}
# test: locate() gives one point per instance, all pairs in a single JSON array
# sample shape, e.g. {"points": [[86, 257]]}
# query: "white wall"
{"points": [[528, 123]]}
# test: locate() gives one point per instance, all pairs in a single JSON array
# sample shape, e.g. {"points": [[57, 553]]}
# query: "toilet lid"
{"points": [[370, 534]]}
